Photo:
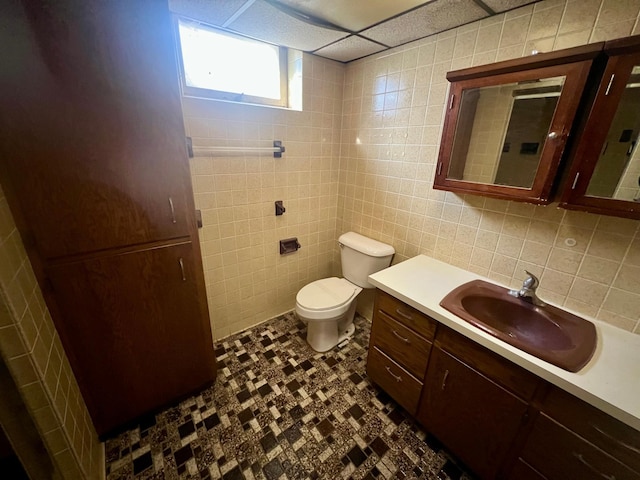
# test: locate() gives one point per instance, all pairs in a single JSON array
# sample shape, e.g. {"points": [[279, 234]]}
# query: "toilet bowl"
{"points": [[328, 306]]}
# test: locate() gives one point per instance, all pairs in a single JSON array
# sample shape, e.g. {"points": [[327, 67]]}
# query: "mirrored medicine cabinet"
{"points": [[557, 126]]}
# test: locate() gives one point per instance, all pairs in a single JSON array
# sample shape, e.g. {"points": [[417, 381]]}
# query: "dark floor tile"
{"points": [[211, 421], [297, 412], [245, 415], [243, 396], [265, 390], [234, 474], [356, 412], [183, 454], [141, 463], [325, 427], [357, 456], [306, 365], [292, 434], [293, 385], [268, 442], [273, 469], [186, 429], [379, 447]]}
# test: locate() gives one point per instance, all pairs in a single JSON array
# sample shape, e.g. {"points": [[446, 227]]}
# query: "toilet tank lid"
{"points": [[366, 245]]}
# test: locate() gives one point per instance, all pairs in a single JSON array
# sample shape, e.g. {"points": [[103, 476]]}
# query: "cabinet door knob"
{"points": [[181, 263], [552, 135], [173, 211], [609, 84], [444, 379]]}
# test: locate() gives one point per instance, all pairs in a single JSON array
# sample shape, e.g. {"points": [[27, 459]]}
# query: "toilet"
{"points": [[328, 306]]}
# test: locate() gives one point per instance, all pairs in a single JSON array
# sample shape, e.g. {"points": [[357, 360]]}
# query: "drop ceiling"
{"points": [[342, 30]]}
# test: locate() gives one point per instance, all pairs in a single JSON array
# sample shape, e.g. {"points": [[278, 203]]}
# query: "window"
{"points": [[220, 65]]}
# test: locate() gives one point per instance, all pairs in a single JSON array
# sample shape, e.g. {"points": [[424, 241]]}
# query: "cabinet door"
{"points": [[474, 417], [507, 124], [134, 324], [605, 171], [93, 137], [560, 454]]}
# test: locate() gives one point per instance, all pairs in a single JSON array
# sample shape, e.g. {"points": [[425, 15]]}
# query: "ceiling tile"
{"points": [[349, 48], [421, 22], [353, 14], [263, 21], [503, 5], [214, 13]]}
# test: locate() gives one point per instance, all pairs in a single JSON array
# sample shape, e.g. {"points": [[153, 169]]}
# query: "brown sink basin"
{"points": [[547, 332]]}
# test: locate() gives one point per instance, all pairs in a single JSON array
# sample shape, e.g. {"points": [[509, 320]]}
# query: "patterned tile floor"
{"points": [[279, 410]]}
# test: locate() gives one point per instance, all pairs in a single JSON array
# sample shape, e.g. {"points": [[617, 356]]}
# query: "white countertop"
{"points": [[610, 381]]}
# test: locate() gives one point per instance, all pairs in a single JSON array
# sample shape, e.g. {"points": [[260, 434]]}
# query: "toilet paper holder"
{"points": [[289, 245]]}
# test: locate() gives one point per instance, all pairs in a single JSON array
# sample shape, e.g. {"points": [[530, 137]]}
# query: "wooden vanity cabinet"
{"points": [[570, 438], [471, 404], [399, 347], [493, 146], [499, 419], [96, 173], [604, 175]]}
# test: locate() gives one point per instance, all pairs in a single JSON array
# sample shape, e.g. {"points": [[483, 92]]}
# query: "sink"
{"points": [[546, 332]]}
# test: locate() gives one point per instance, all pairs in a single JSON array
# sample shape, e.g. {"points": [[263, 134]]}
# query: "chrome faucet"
{"points": [[528, 290]]}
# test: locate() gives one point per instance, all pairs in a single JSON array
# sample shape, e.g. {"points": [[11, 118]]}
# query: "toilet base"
{"points": [[323, 335], [348, 333]]}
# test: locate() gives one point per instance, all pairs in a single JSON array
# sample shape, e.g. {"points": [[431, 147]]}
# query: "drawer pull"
{"points": [[586, 464], [405, 340], [622, 444], [404, 315], [181, 263], [398, 378], [173, 211], [444, 379]]}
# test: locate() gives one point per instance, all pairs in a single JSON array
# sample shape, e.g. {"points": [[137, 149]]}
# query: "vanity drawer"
{"points": [[401, 344], [406, 315], [604, 431], [395, 380], [559, 454], [508, 374]]}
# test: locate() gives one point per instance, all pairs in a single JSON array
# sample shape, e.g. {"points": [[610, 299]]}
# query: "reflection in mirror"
{"points": [[501, 131], [617, 173]]}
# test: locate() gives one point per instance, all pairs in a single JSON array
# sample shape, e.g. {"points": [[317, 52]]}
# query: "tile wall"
{"points": [[248, 281], [31, 349], [392, 118]]}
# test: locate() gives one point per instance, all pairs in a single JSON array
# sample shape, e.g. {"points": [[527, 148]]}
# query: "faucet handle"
{"points": [[531, 281]]}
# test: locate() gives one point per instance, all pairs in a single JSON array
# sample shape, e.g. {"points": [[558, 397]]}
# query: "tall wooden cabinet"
{"points": [[95, 168]]}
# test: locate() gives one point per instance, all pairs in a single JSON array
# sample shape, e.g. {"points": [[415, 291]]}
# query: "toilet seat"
{"points": [[327, 298]]}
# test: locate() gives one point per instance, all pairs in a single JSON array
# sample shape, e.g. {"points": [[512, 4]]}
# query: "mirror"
{"points": [[502, 132], [617, 172]]}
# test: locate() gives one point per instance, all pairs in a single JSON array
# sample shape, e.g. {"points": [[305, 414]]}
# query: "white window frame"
{"points": [[190, 91]]}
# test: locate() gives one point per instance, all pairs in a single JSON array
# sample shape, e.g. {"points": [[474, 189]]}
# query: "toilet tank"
{"points": [[361, 256]]}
